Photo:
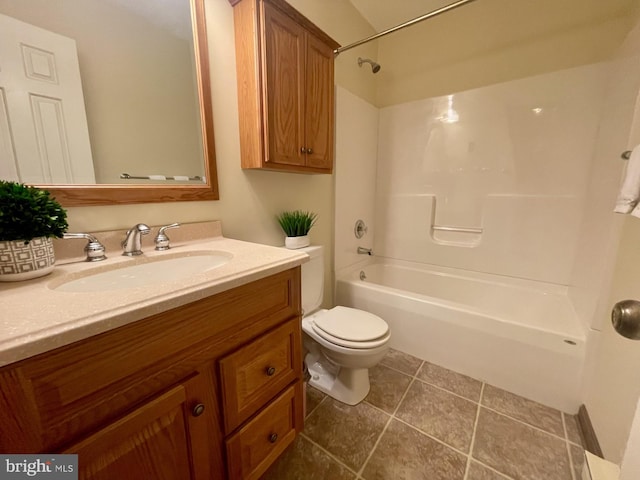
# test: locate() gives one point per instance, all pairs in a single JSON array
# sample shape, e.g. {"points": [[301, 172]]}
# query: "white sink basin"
{"points": [[152, 271]]}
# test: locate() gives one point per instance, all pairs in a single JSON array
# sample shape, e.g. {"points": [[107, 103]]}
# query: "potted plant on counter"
{"points": [[296, 226], [29, 218]]}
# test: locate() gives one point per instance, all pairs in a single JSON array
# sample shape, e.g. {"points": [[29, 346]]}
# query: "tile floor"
{"points": [[421, 421]]}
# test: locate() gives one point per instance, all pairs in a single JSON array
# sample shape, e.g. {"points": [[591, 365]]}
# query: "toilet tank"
{"points": [[312, 279]]}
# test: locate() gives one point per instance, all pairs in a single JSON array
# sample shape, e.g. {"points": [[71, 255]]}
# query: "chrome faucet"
{"points": [[364, 251], [162, 241], [132, 244], [94, 249]]}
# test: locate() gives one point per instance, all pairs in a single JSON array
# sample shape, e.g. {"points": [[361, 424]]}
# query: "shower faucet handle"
{"points": [[360, 229]]}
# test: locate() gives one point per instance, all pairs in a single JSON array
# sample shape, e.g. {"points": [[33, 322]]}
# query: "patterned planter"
{"points": [[23, 262]]}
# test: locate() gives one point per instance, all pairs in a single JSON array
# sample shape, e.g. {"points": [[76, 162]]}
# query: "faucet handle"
{"points": [[94, 249], [162, 241]]}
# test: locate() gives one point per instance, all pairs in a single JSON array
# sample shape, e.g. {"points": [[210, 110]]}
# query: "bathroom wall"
{"points": [[494, 41], [607, 263], [612, 383], [511, 160], [600, 229], [249, 200], [356, 154]]}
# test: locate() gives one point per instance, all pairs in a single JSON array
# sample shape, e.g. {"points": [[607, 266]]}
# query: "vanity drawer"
{"points": [[255, 373], [256, 445]]}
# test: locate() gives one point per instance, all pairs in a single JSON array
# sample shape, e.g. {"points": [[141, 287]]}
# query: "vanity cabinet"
{"points": [[208, 390], [285, 69], [152, 441]]}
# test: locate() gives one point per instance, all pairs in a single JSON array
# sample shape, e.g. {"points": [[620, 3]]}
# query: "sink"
{"points": [[153, 271]]}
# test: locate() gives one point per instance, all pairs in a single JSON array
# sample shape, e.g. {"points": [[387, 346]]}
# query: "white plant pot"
{"points": [[297, 242], [23, 262]]}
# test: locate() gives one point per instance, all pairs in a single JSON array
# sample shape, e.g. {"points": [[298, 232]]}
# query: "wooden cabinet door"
{"points": [[284, 62], [152, 441], [319, 106]]}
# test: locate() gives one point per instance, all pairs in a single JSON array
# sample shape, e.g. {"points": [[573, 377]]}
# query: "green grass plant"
{"points": [[297, 223]]}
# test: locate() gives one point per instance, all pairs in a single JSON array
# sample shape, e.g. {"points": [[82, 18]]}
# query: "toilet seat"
{"points": [[351, 328]]}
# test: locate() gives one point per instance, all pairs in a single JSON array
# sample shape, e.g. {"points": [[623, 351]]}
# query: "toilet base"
{"points": [[347, 385]]}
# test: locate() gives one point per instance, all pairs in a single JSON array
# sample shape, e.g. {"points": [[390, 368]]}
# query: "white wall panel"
{"points": [[515, 164], [356, 157]]}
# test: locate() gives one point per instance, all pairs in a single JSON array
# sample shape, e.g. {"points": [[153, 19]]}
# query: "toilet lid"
{"points": [[348, 344], [351, 324]]}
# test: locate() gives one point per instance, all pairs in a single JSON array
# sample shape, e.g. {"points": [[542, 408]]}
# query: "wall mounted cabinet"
{"points": [[285, 68]]}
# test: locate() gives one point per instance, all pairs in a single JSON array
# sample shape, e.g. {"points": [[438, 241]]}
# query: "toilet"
{"points": [[342, 343]]}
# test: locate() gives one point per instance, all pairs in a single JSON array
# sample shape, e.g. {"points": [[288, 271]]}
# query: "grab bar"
{"points": [[457, 229]]}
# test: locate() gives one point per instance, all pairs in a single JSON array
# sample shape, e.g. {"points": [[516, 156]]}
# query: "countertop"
{"points": [[35, 319]]}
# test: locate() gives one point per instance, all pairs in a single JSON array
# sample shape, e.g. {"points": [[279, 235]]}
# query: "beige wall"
{"points": [[490, 41], [249, 200]]}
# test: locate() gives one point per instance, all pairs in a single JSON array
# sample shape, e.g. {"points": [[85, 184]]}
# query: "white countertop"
{"points": [[35, 319]]}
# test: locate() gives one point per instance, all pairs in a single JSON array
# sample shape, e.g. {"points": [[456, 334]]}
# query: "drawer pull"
{"points": [[273, 438], [198, 410], [271, 371]]}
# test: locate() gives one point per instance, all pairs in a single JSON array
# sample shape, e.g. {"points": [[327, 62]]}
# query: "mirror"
{"points": [[144, 94]]}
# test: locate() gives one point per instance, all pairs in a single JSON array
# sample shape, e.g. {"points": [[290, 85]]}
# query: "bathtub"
{"points": [[519, 335]]}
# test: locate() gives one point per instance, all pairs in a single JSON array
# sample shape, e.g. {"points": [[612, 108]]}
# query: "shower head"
{"points": [[375, 67]]}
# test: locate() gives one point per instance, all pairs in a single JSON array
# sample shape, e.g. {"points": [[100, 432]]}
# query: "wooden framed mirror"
{"points": [[112, 188]]}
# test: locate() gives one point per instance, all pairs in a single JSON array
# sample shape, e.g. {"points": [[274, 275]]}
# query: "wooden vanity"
{"points": [[208, 390]]}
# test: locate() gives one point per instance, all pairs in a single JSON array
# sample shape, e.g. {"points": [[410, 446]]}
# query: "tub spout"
{"points": [[364, 251]]}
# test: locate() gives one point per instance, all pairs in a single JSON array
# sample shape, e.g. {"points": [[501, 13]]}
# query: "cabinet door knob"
{"points": [[273, 438], [303, 150], [309, 151], [198, 410], [271, 371]]}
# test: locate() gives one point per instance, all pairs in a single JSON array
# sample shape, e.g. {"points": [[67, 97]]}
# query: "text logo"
{"points": [[44, 467]]}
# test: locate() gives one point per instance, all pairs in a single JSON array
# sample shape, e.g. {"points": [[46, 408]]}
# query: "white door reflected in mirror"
{"points": [[44, 137]]}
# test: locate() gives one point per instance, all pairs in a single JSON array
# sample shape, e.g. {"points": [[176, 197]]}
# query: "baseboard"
{"points": [[591, 443]]}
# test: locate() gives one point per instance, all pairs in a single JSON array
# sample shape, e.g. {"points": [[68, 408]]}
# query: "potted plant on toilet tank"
{"points": [[29, 218], [296, 225]]}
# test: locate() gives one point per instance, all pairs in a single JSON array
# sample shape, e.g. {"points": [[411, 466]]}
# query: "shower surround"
{"points": [[502, 173], [511, 161]]}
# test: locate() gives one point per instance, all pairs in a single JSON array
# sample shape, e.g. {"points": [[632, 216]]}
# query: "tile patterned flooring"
{"points": [[421, 421]]}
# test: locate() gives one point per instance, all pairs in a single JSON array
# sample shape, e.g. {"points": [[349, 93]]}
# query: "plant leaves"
{"points": [[28, 212], [297, 223]]}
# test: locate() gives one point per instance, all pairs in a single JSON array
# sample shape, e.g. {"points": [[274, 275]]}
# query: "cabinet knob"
{"points": [[303, 150], [309, 151], [198, 410], [273, 438], [271, 371]]}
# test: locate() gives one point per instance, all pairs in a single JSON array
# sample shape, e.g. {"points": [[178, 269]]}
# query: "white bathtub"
{"points": [[516, 334]]}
